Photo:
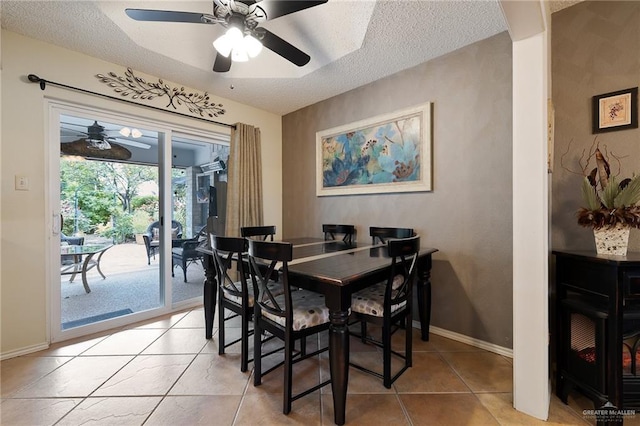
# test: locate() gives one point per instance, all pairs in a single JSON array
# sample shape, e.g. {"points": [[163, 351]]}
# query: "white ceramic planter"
{"points": [[612, 240]]}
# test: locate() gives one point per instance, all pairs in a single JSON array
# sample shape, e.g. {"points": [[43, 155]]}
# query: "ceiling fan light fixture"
{"points": [[223, 45], [135, 133], [125, 131], [239, 54], [252, 46]]}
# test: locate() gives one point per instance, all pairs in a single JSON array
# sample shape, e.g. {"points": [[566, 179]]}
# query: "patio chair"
{"points": [[184, 252], [152, 237], [70, 259]]}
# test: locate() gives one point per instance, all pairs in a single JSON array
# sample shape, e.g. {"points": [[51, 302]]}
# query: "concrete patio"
{"points": [[130, 286]]}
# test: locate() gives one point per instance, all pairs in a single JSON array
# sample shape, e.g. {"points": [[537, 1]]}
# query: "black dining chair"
{"points": [[264, 232], [347, 231], [388, 304], [382, 234], [291, 316], [236, 292]]}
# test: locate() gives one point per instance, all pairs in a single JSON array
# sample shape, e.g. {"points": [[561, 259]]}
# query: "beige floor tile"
{"points": [[501, 407], [17, 373], [218, 410], [430, 373], [165, 321], [397, 341], [367, 410], [359, 381], [210, 374], [482, 371], [111, 411], [178, 341], [146, 375], [76, 378], [266, 409], [211, 347], [30, 412], [125, 342], [231, 334], [446, 410], [71, 347], [193, 319], [306, 374]]}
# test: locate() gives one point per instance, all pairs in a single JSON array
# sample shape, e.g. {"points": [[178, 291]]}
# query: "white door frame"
{"points": [[53, 110]]}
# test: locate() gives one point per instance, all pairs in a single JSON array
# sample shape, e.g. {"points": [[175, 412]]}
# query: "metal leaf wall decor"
{"points": [[139, 88]]}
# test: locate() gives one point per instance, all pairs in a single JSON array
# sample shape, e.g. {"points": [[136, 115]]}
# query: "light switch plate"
{"points": [[22, 183]]}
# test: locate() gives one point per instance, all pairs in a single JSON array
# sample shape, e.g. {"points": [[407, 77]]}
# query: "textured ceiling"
{"points": [[351, 43]]}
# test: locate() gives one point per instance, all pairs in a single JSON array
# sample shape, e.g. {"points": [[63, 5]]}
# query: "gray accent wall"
{"points": [[595, 50], [468, 214]]}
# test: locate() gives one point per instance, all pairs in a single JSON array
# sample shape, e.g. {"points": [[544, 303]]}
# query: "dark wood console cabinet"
{"points": [[597, 320]]}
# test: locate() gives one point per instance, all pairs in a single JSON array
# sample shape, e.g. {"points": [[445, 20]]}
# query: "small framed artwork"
{"points": [[615, 111]]}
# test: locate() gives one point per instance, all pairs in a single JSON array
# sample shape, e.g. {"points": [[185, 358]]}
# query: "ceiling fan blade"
{"points": [[165, 16], [276, 8], [222, 64], [131, 143], [284, 49]]}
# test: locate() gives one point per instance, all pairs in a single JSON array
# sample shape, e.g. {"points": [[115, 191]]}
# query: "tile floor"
{"points": [[164, 372]]}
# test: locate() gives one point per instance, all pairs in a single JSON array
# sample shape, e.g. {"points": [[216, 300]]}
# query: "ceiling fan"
{"points": [[245, 16], [96, 137]]}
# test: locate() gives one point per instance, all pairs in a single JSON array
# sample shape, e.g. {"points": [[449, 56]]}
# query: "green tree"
{"points": [[124, 180], [93, 193]]}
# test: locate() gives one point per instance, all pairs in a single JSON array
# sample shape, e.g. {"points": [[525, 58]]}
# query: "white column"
{"points": [[531, 81]]}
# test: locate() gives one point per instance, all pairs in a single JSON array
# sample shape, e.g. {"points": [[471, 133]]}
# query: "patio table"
{"points": [[82, 266]]}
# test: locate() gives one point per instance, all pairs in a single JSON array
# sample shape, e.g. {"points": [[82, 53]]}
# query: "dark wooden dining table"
{"points": [[337, 270]]}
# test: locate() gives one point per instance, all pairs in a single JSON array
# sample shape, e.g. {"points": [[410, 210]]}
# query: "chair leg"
{"points": [[386, 354], [288, 372], [257, 351], [221, 338], [303, 346], [408, 341], [184, 269], [244, 343]]}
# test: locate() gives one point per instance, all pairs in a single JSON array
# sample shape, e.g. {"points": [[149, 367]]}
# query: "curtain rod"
{"points": [[43, 84]]}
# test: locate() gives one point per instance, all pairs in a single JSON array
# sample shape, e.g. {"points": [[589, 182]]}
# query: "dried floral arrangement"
{"points": [[609, 200]]}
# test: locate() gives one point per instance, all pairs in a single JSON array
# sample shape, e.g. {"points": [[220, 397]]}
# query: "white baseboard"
{"points": [[24, 351], [468, 340]]}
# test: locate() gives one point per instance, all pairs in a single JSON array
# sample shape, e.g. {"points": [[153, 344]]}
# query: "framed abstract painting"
{"points": [[383, 154]]}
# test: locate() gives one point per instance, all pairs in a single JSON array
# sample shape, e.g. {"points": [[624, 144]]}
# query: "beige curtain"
{"points": [[244, 186]]}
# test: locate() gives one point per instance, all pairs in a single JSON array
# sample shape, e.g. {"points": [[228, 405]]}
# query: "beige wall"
{"points": [[25, 223], [595, 50], [467, 216]]}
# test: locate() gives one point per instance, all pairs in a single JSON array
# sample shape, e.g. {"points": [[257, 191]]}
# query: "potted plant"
{"points": [[611, 205]]}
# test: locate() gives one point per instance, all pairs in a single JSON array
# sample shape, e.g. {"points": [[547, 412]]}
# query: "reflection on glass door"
{"points": [[110, 233], [198, 191]]}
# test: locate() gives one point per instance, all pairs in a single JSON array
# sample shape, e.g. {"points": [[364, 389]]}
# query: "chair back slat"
{"points": [[331, 230], [404, 254], [266, 232], [382, 234], [225, 250], [264, 259]]}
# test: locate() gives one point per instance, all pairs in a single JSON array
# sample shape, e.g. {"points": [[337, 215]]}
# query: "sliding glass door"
{"points": [[131, 207], [198, 183]]}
